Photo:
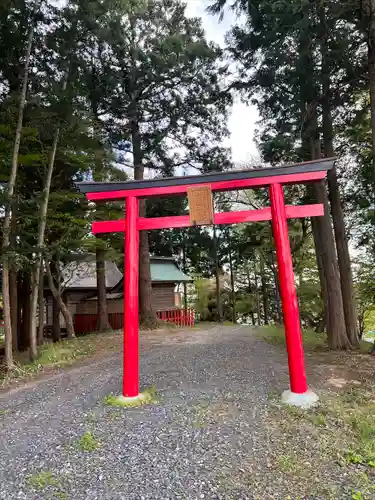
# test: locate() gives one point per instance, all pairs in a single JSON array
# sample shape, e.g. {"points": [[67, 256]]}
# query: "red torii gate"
{"points": [[278, 213]]}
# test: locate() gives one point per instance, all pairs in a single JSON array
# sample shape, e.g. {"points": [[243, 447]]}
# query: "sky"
{"points": [[242, 123]]}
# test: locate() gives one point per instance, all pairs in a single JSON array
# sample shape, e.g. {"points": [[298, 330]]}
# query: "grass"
{"points": [[312, 341], [274, 334], [91, 417], [57, 355], [61, 354], [318, 420], [288, 464], [359, 419], [149, 396], [116, 414], [201, 417], [308, 451], [370, 321], [205, 413], [88, 442], [44, 480], [41, 480], [335, 440]]}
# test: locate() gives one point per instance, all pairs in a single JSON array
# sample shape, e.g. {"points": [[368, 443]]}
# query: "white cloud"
{"points": [[243, 118]]}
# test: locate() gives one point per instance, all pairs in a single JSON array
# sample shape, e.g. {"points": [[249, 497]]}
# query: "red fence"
{"points": [[86, 323], [177, 316]]}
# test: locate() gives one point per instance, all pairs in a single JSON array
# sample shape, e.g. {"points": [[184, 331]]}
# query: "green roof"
{"points": [[164, 269]]}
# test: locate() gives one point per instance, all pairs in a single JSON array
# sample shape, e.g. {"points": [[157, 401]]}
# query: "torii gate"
{"points": [[272, 178]]}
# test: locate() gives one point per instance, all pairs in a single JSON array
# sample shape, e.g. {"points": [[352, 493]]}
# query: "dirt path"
{"points": [[59, 439], [217, 432]]}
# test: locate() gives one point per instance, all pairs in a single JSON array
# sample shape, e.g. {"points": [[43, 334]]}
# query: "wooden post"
{"points": [[292, 323], [131, 340]]}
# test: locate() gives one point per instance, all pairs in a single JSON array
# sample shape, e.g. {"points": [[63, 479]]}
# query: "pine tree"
{"points": [[166, 97], [304, 58]]}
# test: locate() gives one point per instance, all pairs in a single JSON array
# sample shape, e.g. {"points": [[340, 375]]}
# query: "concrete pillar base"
{"points": [[306, 400], [128, 402], [148, 396]]}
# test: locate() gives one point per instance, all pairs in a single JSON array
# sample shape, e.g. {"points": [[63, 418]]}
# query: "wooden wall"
{"points": [[163, 298]]}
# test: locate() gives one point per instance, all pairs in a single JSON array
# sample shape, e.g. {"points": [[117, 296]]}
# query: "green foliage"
{"points": [[304, 64], [143, 72], [55, 355], [118, 71], [289, 464], [88, 442], [206, 303], [165, 73], [276, 335], [46, 481], [366, 296], [41, 480], [64, 352], [357, 495]]}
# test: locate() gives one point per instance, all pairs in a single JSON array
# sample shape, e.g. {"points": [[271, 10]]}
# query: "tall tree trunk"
{"points": [[13, 283], [102, 309], [8, 212], [40, 246], [147, 314], [322, 278], [325, 248], [61, 304], [310, 150], [13, 279], [257, 294], [56, 330], [326, 254], [368, 20], [234, 315], [102, 305], [265, 296], [279, 318], [41, 232], [368, 14], [19, 309], [219, 311], [252, 319], [250, 289], [265, 300], [322, 228], [346, 277], [41, 308], [24, 338]]}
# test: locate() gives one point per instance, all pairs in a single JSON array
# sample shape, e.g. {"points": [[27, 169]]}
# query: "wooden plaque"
{"points": [[200, 205]]}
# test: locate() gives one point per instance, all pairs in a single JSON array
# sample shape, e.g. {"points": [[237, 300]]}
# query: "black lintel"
{"points": [[189, 180]]}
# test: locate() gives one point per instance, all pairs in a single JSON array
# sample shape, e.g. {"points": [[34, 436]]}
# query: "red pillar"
{"points": [[131, 368], [288, 293]]}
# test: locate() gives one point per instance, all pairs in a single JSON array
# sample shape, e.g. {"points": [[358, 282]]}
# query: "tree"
{"points": [[366, 16], [296, 50], [365, 291], [102, 311], [10, 192], [328, 68], [169, 99], [66, 41]]}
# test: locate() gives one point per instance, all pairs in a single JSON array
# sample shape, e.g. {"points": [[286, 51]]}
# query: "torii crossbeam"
{"points": [[272, 178]]}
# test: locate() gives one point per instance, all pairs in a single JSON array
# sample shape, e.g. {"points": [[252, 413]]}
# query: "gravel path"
{"points": [[203, 437]]}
